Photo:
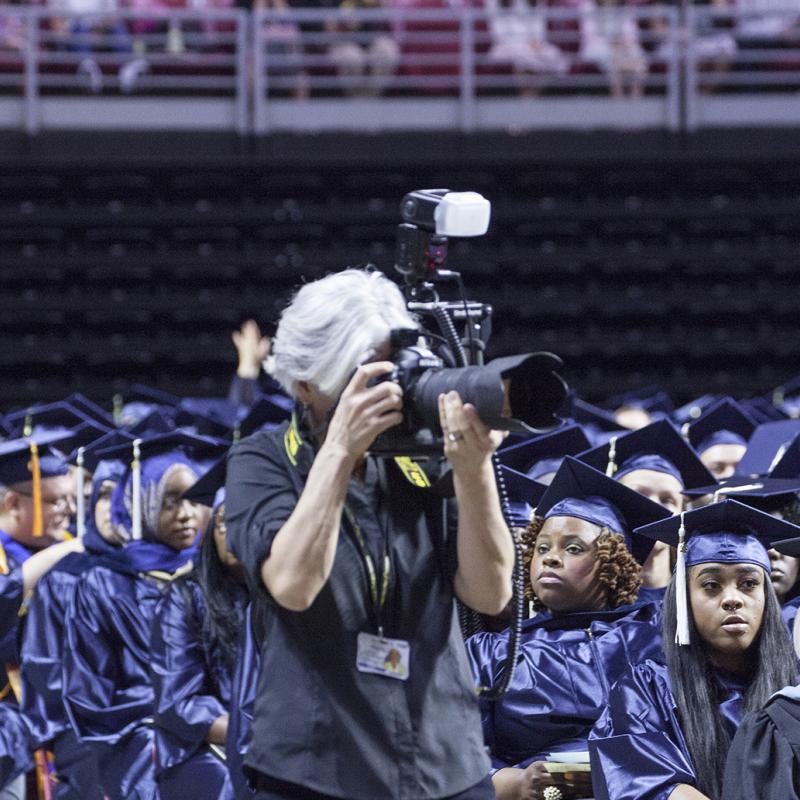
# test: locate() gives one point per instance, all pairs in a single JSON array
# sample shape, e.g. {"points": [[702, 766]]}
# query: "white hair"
{"points": [[331, 326]]}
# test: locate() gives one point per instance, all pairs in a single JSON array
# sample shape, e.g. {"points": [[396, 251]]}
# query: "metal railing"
{"points": [[403, 67]]}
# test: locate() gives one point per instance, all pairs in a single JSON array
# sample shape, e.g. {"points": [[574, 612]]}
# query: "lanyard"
{"points": [[378, 598]]}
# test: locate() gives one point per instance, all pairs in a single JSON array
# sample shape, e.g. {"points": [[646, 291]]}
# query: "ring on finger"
{"points": [[455, 437]]}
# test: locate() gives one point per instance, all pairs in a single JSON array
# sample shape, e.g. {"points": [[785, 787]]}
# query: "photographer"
{"points": [[364, 690]]}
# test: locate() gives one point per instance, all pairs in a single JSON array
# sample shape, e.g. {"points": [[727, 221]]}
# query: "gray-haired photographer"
{"points": [[354, 565]]}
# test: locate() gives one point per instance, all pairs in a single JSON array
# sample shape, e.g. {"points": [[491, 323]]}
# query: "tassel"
{"points": [[611, 467], [681, 596], [136, 491], [80, 498], [36, 490]]}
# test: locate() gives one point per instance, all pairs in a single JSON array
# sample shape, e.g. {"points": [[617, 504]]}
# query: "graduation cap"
{"points": [[652, 399], [85, 405], [694, 409], [210, 415], [725, 422], [33, 459], [766, 447], [60, 416], [139, 392], [658, 447], [581, 491], [762, 410], [209, 489], [159, 420], [786, 391], [84, 456], [727, 532], [195, 447], [267, 410], [519, 496], [83, 435], [541, 455]]}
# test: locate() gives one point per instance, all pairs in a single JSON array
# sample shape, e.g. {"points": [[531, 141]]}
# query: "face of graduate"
{"points": [[564, 566], [721, 459], [180, 520], [727, 603], [666, 490], [225, 556], [58, 508], [783, 574], [632, 418], [102, 514]]}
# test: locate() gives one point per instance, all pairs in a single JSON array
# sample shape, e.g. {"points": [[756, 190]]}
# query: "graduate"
{"points": [[584, 580], [720, 436], [36, 499], [194, 643], [668, 726], [45, 632], [658, 463], [108, 694]]}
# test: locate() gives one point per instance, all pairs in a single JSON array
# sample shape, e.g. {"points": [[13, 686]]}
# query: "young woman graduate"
{"points": [[584, 576], [194, 642], [658, 463], [108, 694], [667, 728], [43, 642]]}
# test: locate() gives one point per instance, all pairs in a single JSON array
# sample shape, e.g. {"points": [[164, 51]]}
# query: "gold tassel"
{"points": [[36, 490]]}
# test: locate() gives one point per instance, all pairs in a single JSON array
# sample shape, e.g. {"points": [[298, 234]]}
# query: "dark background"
{"points": [[639, 258]]}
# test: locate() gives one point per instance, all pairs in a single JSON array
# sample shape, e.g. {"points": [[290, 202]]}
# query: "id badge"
{"points": [[381, 656]]}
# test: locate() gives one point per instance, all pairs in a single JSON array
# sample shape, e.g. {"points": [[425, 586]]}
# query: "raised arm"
{"points": [[485, 548]]}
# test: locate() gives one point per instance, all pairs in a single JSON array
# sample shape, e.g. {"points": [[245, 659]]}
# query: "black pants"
{"points": [[267, 788]]}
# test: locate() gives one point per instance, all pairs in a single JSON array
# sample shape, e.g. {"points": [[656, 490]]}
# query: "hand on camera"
{"points": [[468, 442], [364, 412]]}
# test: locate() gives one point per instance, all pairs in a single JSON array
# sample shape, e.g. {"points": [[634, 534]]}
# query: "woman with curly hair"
{"points": [[583, 579]]}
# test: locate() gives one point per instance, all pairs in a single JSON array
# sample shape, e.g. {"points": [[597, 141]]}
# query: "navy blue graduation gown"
{"points": [[14, 555], [245, 683], [789, 614], [108, 695], [10, 599], [192, 688], [16, 736], [562, 678], [637, 748], [41, 669]]}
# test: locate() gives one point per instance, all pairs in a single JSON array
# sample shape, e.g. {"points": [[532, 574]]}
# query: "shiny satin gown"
{"points": [[637, 747], [192, 688], [108, 694], [245, 683], [42, 650], [562, 678]]}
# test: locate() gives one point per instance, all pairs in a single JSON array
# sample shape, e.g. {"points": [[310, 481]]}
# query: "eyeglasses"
{"points": [[63, 504]]}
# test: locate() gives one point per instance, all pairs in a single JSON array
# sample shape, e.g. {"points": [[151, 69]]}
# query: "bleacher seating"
{"points": [[680, 272]]}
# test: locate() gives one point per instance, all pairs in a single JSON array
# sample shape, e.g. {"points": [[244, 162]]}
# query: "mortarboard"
{"points": [[725, 422], [786, 463], [658, 447], [581, 491], [693, 410], [267, 410], [519, 496], [206, 490], [160, 419], [85, 405], [652, 399], [762, 410], [727, 532], [59, 416], [543, 454], [766, 447]]}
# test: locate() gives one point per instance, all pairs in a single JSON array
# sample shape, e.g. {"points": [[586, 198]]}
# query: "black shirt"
{"points": [[318, 721]]}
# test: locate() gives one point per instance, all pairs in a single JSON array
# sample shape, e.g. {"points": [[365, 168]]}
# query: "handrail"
{"points": [[656, 66]]}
